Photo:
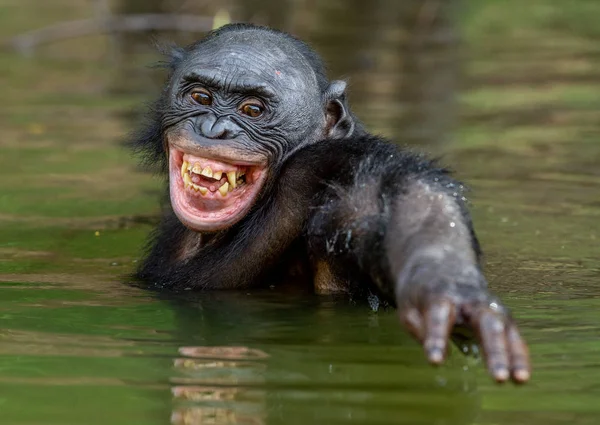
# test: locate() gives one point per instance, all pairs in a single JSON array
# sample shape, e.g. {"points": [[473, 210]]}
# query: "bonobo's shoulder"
{"points": [[353, 145], [388, 157], [365, 146]]}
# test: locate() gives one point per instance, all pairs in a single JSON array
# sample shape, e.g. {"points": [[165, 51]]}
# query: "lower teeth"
{"points": [[223, 190]]}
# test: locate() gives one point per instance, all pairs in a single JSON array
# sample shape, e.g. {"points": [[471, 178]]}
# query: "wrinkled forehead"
{"points": [[253, 57]]}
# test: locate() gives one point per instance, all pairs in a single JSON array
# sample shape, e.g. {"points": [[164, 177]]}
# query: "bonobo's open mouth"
{"points": [[208, 194]]}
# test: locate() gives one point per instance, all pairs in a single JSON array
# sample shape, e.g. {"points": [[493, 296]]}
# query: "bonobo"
{"points": [[271, 175]]}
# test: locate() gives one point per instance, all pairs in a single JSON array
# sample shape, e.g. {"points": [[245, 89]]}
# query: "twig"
{"points": [[26, 43]]}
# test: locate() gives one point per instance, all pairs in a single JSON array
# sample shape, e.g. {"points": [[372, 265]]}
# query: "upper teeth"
{"points": [[232, 179], [228, 186], [207, 172]]}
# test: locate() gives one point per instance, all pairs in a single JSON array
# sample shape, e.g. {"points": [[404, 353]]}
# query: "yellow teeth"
{"points": [[197, 169], [187, 181], [232, 179], [207, 172], [184, 167], [224, 189]]}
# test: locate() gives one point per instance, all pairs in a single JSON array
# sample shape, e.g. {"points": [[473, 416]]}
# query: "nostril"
{"points": [[206, 126], [223, 128], [224, 134], [216, 132]]}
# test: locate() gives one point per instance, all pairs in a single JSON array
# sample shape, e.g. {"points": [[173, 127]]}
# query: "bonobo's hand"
{"points": [[435, 300]]}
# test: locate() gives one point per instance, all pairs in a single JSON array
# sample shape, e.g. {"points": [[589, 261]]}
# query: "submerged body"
{"points": [[271, 175]]}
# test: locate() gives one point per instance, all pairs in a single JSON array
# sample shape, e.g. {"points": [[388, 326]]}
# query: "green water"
{"points": [[78, 345]]}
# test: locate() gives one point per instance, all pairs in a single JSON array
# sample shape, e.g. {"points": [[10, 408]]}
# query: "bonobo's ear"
{"points": [[339, 121]]}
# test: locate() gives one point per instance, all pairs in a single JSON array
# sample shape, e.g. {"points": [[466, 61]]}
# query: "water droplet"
{"points": [[452, 224], [373, 302]]}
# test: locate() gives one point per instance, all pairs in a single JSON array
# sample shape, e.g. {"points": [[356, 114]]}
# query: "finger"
{"points": [[519, 356], [493, 341], [439, 320], [411, 319]]}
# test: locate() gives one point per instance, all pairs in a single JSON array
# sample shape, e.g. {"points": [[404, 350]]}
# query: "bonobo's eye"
{"points": [[201, 96], [252, 107]]}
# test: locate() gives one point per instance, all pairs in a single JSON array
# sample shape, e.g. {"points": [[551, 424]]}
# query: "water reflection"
{"points": [[265, 358], [219, 385]]}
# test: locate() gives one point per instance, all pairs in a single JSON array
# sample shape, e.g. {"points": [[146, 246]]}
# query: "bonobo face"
{"points": [[238, 104]]}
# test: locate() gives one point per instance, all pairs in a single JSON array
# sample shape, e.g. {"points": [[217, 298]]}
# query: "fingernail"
{"points": [[435, 355], [521, 375], [501, 375]]}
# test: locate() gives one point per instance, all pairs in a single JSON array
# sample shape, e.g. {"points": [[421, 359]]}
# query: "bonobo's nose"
{"points": [[212, 127]]}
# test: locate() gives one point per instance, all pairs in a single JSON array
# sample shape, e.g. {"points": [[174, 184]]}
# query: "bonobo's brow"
{"points": [[245, 87]]}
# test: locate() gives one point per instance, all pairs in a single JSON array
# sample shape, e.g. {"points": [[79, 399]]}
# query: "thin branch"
{"points": [[26, 43]]}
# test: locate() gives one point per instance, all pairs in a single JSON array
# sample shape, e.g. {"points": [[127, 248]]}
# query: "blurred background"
{"points": [[508, 91]]}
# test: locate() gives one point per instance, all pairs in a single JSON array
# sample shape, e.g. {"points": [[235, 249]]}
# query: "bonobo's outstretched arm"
{"points": [[400, 223]]}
